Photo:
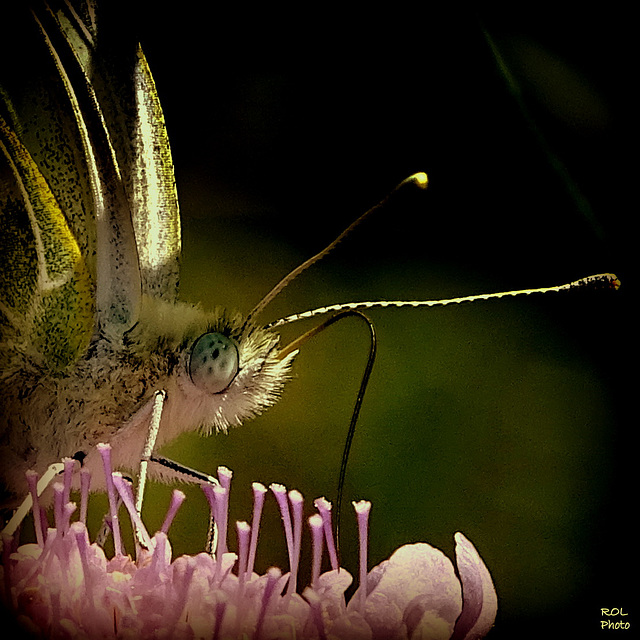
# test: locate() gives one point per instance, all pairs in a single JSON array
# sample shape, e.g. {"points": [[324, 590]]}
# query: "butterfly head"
{"points": [[217, 370]]}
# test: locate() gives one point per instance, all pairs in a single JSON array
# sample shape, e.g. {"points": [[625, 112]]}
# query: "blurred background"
{"points": [[506, 420]]}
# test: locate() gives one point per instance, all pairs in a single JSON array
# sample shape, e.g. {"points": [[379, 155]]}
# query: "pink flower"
{"points": [[64, 586]]}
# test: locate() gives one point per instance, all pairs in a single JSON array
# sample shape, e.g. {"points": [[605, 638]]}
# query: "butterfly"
{"points": [[92, 327]]}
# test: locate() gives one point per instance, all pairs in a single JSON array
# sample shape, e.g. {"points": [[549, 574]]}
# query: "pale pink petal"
{"points": [[480, 599], [413, 571], [351, 626], [330, 588]]}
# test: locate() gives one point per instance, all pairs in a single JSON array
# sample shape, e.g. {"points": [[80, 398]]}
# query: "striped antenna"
{"points": [[417, 179], [600, 281]]}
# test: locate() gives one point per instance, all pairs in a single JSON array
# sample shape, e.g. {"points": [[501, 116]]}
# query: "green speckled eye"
{"points": [[214, 362]]}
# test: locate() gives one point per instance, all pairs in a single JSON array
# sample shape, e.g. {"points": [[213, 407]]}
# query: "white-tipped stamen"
{"points": [[296, 503], [217, 535], [243, 531], [224, 477], [124, 489], [324, 508], [222, 506], [259, 492], [177, 498], [280, 493], [159, 555], [105, 453], [67, 511], [316, 526], [363, 509]]}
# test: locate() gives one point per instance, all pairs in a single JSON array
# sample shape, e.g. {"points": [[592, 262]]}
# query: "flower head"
{"points": [[64, 586]]}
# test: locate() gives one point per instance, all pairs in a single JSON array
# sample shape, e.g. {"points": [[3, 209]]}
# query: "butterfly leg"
{"points": [[21, 512], [150, 443], [193, 476], [186, 473]]}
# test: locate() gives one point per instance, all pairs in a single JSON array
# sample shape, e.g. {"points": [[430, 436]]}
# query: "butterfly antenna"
{"points": [[294, 346], [418, 179], [602, 281]]}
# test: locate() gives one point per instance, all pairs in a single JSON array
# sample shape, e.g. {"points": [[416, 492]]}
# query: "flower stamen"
{"points": [[66, 587], [363, 509], [316, 526], [126, 493], [105, 453], [259, 492], [85, 484], [69, 467], [32, 481], [177, 498], [324, 508], [243, 531], [280, 493], [296, 502]]}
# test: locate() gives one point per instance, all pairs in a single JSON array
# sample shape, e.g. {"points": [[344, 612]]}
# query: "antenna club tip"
{"points": [[420, 179], [600, 281]]}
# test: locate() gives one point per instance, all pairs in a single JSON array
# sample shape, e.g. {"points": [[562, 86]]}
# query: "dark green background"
{"points": [[505, 420]]}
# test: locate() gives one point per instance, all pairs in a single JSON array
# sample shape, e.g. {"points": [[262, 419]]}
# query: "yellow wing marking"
{"points": [[56, 315]]}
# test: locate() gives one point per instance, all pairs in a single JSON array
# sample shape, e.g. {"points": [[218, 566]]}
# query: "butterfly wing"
{"points": [[144, 155], [45, 286], [88, 201], [47, 281], [129, 104]]}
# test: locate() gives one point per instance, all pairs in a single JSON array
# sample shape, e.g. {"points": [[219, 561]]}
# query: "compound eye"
{"points": [[214, 362]]}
